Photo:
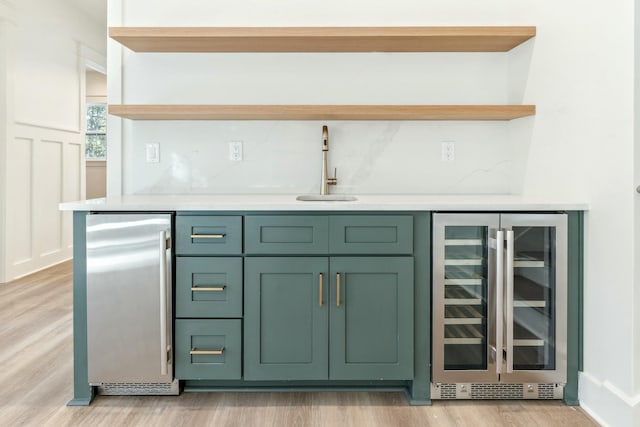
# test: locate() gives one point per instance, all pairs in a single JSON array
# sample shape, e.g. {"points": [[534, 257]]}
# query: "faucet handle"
{"points": [[334, 180]]}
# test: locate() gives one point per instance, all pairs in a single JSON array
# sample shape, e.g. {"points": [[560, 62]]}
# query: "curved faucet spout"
{"points": [[325, 181], [325, 138]]}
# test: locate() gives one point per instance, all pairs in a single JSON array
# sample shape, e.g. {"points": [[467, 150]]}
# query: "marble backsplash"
{"points": [[381, 157]]}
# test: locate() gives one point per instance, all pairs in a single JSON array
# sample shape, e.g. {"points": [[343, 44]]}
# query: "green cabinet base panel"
{"points": [[420, 387], [82, 392], [413, 401], [80, 402], [294, 389], [306, 386], [574, 309]]}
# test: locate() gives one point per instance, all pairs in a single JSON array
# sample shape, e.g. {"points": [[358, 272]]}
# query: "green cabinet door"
{"points": [[372, 321], [286, 318]]}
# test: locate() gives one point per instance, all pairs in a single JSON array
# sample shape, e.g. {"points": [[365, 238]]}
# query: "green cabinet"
{"points": [[371, 328], [306, 297], [340, 318], [286, 326], [209, 295]]}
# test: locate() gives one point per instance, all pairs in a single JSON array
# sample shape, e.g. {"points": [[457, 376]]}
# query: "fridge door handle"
{"points": [[163, 303], [499, 299], [509, 298]]}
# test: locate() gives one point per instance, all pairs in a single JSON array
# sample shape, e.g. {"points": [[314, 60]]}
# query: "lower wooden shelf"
{"points": [[321, 112]]}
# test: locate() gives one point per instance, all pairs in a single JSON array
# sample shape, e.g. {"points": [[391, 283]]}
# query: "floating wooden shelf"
{"points": [[322, 112], [321, 39]]}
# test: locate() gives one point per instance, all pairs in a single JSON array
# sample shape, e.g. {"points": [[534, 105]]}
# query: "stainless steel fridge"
{"points": [[499, 306], [129, 303]]}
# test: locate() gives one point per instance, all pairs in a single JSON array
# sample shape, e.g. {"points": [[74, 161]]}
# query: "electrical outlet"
{"points": [[448, 151], [235, 151], [152, 152]]}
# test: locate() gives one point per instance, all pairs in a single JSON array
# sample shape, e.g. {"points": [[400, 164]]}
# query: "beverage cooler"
{"points": [[499, 306]]}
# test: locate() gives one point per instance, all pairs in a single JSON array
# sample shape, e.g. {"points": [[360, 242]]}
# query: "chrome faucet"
{"points": [[325, 181]]}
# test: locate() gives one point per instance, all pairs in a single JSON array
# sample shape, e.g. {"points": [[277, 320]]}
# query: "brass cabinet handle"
{"points": [[207, 352], [211, 289], [337, 289], [320, 291], [208, 236]]}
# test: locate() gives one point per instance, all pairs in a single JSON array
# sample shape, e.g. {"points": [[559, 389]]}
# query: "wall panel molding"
{"points": [[47, 127], [20, 200], [47, 172]]}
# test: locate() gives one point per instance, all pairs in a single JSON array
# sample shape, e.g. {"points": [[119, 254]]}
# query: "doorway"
{"points": [[96, 134]]}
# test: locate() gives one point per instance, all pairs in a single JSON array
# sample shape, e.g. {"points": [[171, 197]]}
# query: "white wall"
{"points": [[5, 15], [96, 84], [584, 137], [45, 143], [579, 71]]}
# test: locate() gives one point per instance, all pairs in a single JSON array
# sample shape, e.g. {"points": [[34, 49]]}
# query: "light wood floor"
{"points": [[36, 383]]}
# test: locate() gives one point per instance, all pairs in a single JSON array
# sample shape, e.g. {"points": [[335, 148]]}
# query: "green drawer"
{"points": [[208, 235], [371, 234], [208, 349], [208, 287], [286, 234]]}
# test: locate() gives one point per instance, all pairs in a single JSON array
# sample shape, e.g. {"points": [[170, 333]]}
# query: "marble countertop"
{"points": [[286, 202]]}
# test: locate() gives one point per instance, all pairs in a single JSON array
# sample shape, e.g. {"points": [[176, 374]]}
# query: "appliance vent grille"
{"points": [[496, 391], [137, 389], [546, 391], [448, 391]]}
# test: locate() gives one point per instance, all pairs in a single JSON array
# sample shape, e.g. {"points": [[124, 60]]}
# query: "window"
{"points": [[96, 134]]}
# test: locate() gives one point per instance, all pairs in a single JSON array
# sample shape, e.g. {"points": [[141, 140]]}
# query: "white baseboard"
{"points": [[607, 404]]}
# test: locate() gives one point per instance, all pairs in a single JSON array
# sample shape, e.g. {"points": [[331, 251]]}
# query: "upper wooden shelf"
{"points": [[322, 112], [321, 39]]}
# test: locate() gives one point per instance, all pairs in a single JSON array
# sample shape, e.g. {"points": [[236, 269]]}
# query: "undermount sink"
{"points": [[326, 198]]}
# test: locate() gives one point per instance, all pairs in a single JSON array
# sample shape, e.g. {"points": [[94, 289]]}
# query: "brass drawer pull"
{"points": [[337, 289], [320, 291], [212, 289], [207, 352], [208, 236]]}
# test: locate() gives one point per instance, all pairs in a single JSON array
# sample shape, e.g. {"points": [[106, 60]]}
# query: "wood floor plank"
{"points": [[36, 382]]}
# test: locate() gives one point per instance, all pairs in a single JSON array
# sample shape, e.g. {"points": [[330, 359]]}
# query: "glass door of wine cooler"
{"points": [[536, 298], [464, 298]]}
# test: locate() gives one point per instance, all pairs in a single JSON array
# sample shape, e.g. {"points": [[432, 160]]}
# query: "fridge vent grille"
{"points": [[546, 391], [496, 391], [137, 389], [447, 391]]}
